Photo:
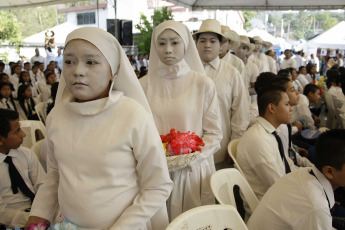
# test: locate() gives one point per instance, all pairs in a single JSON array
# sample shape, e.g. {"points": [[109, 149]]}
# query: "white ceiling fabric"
{"points": [[261, 4]]}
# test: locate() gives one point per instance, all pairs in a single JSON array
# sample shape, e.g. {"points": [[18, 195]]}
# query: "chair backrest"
{"points": [[34, 130], [232, 150], [36, 148], [40, 110], [222, 185], [331, 117], [209, 217]]}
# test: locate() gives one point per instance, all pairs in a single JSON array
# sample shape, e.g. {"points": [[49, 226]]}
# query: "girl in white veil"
{"points": [[106, 165], [183, 98]]}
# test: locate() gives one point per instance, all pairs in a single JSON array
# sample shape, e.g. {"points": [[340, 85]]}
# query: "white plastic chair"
{"points": [[232, 150], [40, 110], [36, 148], [209, 217], [331, 116], [34, 130], [222, 185]]}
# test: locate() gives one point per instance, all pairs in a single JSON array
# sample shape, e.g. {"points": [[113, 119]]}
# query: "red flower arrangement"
{"points": [[181, 143]]}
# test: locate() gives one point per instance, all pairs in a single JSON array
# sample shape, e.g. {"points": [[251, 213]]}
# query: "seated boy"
{"points": [[303, 199], [312, 92], [21, 173]]}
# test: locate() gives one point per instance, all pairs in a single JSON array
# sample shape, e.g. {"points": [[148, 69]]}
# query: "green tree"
{"points": [[9, 29], [146, 27], [35, 20], [248, 15]]}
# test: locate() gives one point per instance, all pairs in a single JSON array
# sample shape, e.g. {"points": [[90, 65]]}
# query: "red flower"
{"points": [[182, 143]]}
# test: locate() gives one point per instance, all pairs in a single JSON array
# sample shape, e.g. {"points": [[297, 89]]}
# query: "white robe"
{"points": [[106, 165], [187, 103]]}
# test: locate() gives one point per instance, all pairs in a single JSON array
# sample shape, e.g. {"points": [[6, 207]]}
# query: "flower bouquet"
{"points": [[181, 148], [57, 226]]}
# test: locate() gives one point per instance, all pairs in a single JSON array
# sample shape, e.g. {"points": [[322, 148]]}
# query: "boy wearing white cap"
{"points": [[251, 70], [259, 58], [233, 101]]}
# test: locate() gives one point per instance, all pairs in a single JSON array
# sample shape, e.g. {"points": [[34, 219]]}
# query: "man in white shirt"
{"points": [[314, 60], [232, 95], [16, 194], [271, 61], [37, 57], [288, 62], [231, 42], [301, 78], [59, 59], [251, 70], [298, 59], [302, 199], [258, 58], [259, 153]]}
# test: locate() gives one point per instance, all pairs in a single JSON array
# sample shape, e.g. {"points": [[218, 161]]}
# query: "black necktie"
{"points": [[281, 151], [8, 106], [17, 180], [292, 153], [29, 108]]}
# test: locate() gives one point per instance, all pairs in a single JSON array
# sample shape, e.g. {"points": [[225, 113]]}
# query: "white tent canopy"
{"points": [[61, 31], [334, 38], [261, 4], [264, 35]]}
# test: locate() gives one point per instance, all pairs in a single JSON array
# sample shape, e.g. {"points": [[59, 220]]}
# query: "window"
{"points": [[86, 18]]}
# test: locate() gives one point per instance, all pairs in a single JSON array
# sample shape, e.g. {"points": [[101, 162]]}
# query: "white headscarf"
{"points": [[191, 54], [125, 79]]}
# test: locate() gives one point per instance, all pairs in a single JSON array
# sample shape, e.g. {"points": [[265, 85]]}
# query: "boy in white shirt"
{"points": [[303, 199], [16, 191]]}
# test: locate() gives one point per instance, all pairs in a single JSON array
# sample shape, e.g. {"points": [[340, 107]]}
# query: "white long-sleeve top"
{"points": [[106, 165], [297, 201], [259, 158], [233, 102], [272, 64], [187, 101], [302, 79], [261, 61], [288, 63], [12, 206], [301, 112]]}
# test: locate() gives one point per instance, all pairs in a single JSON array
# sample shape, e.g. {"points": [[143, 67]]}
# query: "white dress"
{"points": [[106, 165], [187, 101]]}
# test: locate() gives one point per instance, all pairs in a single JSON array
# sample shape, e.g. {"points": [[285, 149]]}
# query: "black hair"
{"points": [[13, 68], [2, 75], [48, 74], [27, 63], [37, 63], [2, 64], [333, 75], [284, 73], [21, 98], [262, 80], [218, 36], [34, 66], [2, 84], [310, 88], [301, 67], [7, 115], [271, 94], [54, 90], [330, 149], [21, 78], [280, 82]]}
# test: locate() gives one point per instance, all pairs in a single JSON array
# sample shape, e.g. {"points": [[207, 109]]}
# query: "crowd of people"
{"points": [[106, 166]]}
